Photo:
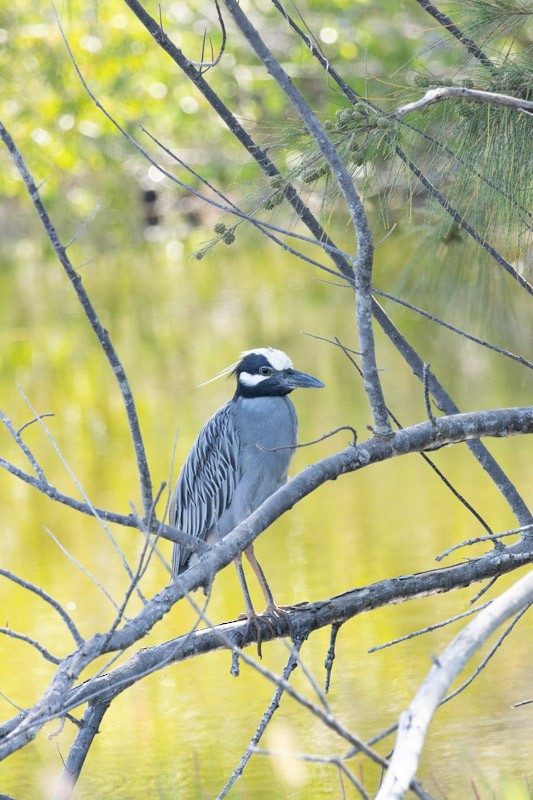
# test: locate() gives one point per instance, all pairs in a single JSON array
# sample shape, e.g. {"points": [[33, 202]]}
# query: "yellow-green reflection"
{"points": [[176, 323]]}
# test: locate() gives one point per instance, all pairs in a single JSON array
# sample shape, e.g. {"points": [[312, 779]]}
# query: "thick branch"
{"points": [[365, 248], [79, 749], [299, 622], [442, 398], [418, 438], [415, 722]]}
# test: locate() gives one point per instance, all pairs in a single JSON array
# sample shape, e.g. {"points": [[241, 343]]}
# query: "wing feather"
{"points": [[207, 482]]}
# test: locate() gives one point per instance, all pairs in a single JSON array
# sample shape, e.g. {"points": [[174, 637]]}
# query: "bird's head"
{"points": [[267, 372]]}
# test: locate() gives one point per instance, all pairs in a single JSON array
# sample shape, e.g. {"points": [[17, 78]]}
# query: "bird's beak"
{"points": [[300, 380]]}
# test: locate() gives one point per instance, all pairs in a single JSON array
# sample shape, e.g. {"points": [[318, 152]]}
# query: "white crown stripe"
{"points": [[276, 358]]}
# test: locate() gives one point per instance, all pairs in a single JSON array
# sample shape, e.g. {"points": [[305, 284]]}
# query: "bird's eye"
{"points": [[266, 371]]}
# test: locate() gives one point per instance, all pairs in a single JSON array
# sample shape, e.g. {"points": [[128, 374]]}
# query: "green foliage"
{"points": [[489, 20], [477, 155]]}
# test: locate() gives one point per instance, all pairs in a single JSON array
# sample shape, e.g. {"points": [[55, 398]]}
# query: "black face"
{"points": [[261, 376]]}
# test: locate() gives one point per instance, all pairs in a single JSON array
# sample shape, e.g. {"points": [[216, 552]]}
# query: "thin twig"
{"points": [[314, 441], [90, 312], [37, 645], [460, 331], [126, 520], [267, 716], [482, 664], [426, 378], [202, 65], [83, 227], [484, 590], [80, 566], [23, 446], [228, 206], [80, 488], [435, 626], [319, 759], [48, 599], [475, 540]]}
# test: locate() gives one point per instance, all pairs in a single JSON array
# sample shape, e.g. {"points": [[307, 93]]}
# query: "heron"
{"points": [[240, 457]]}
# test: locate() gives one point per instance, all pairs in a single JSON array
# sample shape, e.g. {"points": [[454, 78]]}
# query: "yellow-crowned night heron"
{"points": [[240, 458]]}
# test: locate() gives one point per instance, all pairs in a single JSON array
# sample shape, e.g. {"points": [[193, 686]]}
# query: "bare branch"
{"points": [[205, 65], [48, 599], [90, 312], [126, 520], [447, 23], [37, 645], [415, 722], [299, 622], [483, 663], [23, 446], [79, 749], [488, 538], [80, 566], [330, 657], [82, 228], [435, 626], [267, 716], [364, 261], [433, 96], [460, 331]]}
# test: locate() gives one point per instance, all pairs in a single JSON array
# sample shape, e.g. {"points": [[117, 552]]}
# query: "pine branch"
{"points": [[447, 23]]}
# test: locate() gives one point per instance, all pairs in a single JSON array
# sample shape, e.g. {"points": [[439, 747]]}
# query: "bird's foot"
{"points": [[254, 620], [280, 613], [269, 617]]}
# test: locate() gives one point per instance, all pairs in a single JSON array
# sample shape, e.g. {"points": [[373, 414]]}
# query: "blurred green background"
{"points": [[176, 321]]}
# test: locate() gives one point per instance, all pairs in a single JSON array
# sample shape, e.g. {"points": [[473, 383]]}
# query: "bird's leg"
{"points": [[244, 587], [250, 615], [260, 575], [271, 609]]}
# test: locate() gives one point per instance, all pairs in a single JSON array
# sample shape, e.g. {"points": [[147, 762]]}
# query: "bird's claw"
{"points": [[268, 618], [281, 612], [254, 620]]}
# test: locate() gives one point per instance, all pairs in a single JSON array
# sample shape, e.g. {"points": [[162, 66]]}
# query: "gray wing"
{"points": [[207, 482]]}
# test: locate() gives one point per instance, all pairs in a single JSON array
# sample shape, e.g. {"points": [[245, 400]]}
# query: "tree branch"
{"points": [[299, 622], [415, 721], [90, 312], [79, 749], [447, 23], [168, 532], [433, 96], [365, 248], [442, 398]]}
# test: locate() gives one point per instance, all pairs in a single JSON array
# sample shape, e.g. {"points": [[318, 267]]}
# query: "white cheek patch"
{"points": [[276, 358], [251, 380]]}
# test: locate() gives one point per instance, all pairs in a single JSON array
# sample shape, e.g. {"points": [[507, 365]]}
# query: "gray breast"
{"points": [[240, 458], [267, 430]]}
